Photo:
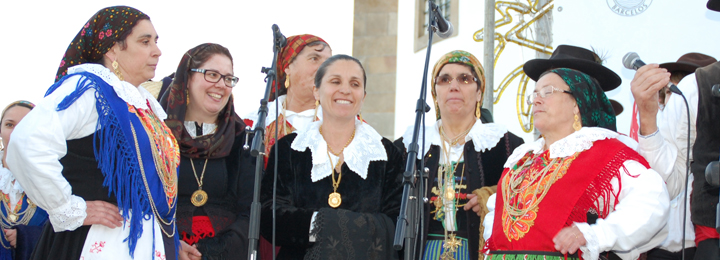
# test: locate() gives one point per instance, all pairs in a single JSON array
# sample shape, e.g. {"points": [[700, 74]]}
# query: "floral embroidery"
{"points": [[526, 195], [97, 247], [165, 153], [159, 255]]}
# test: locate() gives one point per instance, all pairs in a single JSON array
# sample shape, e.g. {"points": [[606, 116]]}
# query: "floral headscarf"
{"points": [[98, 35], [461, 57], [295, 44], [174, 101], [595, 108]]}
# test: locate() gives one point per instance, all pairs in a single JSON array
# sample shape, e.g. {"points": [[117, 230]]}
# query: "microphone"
{"points": [[444, 27], [715, 90], [632, 61], [712, 173]]}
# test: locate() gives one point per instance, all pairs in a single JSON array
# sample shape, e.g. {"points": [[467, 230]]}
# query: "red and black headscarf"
{"points": [[174, 101], [295, 44], [98, 35]]}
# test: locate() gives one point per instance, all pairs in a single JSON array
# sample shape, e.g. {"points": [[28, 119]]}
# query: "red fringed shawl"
{"points": [[585, 187]]}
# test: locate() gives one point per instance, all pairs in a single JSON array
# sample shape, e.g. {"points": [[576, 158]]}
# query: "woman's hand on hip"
{"points": [[103, 213], [569, 240]]}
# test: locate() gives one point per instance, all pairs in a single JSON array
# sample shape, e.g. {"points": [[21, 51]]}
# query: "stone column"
{"points": [[375, 45]]}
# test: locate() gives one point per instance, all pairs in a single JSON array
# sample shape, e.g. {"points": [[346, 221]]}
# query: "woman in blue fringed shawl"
{"points": [[95, 152]]}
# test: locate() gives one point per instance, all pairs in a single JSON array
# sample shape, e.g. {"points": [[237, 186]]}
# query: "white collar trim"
{"points": [[253, 116], [136, 96], [483, 136], [576, 142], [367, 146], [13, 190]]}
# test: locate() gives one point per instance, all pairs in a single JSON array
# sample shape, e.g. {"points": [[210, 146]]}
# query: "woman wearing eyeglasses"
{"points": [[578, 192], [464, 157], [216, 175]]}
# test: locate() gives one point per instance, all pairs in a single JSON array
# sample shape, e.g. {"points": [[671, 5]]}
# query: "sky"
{"points": [[35, 39]]}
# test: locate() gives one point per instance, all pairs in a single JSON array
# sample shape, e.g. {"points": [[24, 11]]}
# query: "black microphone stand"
{"points": [[258, 145], [412, 206]]}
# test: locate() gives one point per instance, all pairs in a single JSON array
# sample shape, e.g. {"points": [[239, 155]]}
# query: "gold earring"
{"points": [[187, 96], [317, 105], [287, 82], [2, 146], [478, 113], [117, 72], [577, 125], [360, 115]]}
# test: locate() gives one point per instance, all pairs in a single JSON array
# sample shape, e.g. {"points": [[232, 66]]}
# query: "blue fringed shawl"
{"points": [[116, 152]]}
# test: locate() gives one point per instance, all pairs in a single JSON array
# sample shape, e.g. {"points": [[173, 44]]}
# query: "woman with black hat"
{"points": [[464, 156], [216, 174], [95, 152], [577, 187]]}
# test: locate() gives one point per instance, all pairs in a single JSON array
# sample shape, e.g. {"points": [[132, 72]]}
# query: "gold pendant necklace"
{"points": [[199, 197], [334, 199]]}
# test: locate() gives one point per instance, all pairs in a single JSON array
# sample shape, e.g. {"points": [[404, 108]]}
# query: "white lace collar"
{"points": [[483, 136], [576, 142], [365, 147], [310, 113], [136, 96], [191, 127], [13, 190]]}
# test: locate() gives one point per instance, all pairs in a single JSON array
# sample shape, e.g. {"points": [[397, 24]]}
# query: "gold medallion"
{"points": [[199, 197], [334, 200], [12, 217]]}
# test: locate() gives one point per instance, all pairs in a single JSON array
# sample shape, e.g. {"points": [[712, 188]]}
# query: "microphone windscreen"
{"points": [[446, 34], [629, 59]]}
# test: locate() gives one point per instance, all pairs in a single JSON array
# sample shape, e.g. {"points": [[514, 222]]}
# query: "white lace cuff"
{"points": [[70, 216], [591, 249]]}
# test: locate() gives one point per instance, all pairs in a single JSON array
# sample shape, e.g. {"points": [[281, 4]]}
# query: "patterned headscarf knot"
{"points": [[295, 44], [595, 108], [98, 35], [461, 57]]}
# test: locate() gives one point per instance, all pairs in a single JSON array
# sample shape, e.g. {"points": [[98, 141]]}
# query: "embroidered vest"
{"points": [[585, 187]]}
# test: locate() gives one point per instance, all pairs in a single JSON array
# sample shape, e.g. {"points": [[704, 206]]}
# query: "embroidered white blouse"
{"points": [[635, 225], [300, 121], [40, 141]]}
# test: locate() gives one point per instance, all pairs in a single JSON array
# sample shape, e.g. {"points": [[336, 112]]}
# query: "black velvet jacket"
{"points": [[298, 197], [228, 182], [492, 162]]}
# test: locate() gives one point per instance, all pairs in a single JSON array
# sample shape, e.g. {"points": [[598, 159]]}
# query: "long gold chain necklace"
{"points": [[199, 197], [334, 200], [446, 184]]}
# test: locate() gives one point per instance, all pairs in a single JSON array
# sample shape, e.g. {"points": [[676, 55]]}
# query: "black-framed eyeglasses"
{"points": [[463, 79], [214, 76], [544, 92]]}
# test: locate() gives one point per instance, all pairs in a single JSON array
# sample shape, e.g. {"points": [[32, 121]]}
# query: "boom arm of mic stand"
{"points": [[258, 146]]}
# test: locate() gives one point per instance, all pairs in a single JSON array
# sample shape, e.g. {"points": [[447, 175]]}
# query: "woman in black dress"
{"points": [[464, 156], [216, 174], [339, 182]]}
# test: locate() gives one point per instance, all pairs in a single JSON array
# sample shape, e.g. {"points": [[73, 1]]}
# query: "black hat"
{"points": [[689, 62], [714, 5], [616, 106], [572, 57]]}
